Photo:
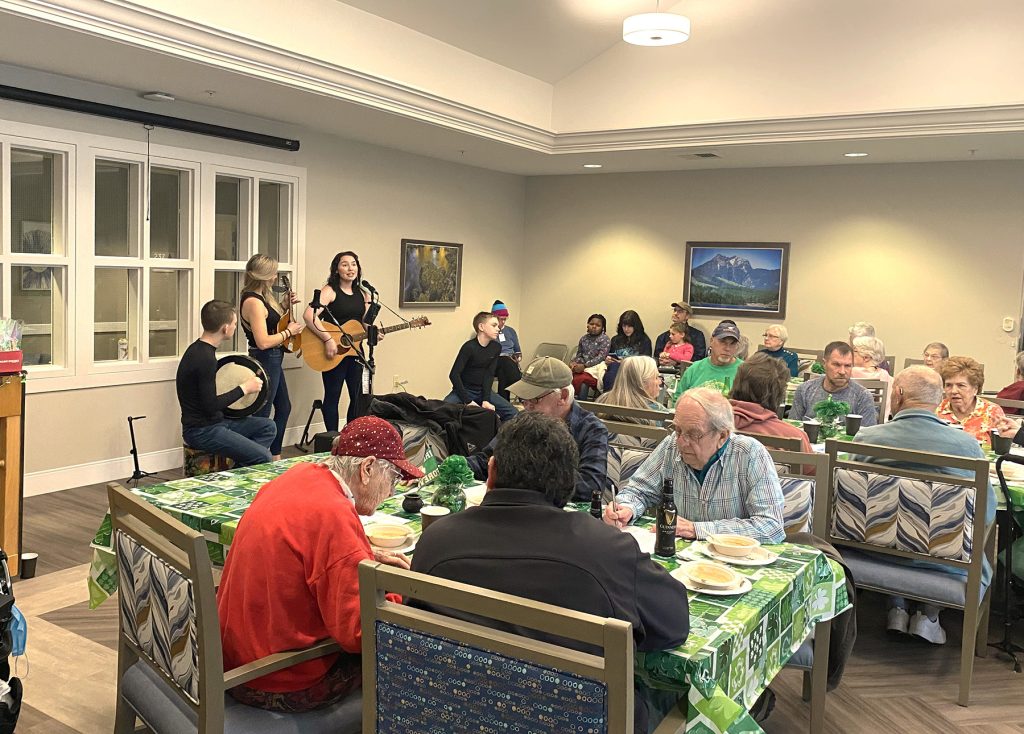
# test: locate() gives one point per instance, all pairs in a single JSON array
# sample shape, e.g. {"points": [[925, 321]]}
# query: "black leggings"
{"points": [[350, 373]]}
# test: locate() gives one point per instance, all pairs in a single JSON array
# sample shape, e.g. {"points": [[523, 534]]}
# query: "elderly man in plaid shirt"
{"points": [[723, 483]]}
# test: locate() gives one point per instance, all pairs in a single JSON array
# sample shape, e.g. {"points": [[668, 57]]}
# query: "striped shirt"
{"points": [[740, 494]]}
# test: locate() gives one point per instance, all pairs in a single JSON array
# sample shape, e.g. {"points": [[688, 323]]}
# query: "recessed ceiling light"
{"points": [[855, 155], [592, 165], [158, 96]]}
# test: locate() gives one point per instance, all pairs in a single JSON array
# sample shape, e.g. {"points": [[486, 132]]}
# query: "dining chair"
{"points": [[786, 443], [170, 666], [891, 360], [551, 349], [437, 671], [884, 515], [1017, 405], [879, 390], [910, 361]]}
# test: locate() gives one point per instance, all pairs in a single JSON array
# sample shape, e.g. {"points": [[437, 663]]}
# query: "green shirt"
{"points": [[705, 374]]}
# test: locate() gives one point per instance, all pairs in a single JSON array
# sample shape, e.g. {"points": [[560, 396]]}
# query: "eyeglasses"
{"points": [[768, 335], [530, 402], [392, 471], [689, 436]]}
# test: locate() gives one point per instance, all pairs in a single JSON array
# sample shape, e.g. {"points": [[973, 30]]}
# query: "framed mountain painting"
{"points": [[737, 278]]}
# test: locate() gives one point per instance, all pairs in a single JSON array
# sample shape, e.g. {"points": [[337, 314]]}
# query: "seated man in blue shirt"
{"points": [[723, 483], [916, 393], [546, 388]]}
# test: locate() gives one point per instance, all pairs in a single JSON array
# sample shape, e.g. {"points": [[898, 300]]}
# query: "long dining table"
{"points": [[737, 644]]}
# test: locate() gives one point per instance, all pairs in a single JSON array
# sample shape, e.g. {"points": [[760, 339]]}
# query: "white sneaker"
{"points": [[928, 629], [899, 620]]}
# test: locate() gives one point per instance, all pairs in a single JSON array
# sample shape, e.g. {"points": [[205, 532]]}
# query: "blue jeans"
{"points": [[245, 440], [277, 395], [502, 407], [350, 373]]}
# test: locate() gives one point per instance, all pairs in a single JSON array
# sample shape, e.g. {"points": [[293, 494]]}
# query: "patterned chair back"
{"points": [[877, 504], [434, 672], [927, 517], [805, 481], [168, 609]]}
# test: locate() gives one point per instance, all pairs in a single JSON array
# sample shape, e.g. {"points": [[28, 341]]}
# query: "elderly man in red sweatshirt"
{"points": [[291, 575]]}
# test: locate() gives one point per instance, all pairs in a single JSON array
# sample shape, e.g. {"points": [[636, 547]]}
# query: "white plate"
{"points": [[681, 576], [405, 547], [759, 557]]}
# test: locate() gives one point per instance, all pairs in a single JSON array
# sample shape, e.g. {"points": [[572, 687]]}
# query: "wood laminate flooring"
{"points": [[890, 686]]}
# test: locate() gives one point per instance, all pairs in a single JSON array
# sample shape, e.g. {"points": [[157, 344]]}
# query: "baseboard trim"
{"points": [[108, 470]]}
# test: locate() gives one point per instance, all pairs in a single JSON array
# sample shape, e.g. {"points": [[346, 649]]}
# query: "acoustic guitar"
{"points": [[294, 343], [349, 338]]}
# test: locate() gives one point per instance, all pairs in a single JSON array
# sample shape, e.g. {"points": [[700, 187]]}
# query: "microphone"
{"points": [[315, 303], [367, 286]]}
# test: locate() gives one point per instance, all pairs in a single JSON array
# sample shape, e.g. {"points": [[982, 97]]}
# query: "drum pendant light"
{"points": [[656, 29]]}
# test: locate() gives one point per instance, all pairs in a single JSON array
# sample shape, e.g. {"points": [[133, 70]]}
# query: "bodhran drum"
{"points": [[232, 371]]}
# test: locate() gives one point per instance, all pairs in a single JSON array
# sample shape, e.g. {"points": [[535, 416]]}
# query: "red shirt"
{"points": [[291, 576]]}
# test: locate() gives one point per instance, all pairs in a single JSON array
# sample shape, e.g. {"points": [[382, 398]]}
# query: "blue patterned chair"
{"points": [[884, 516], [170, 669], [434, 672]]}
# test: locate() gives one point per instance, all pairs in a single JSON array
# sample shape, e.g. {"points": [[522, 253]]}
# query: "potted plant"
{"points": [[831, 414], [452, 476]]}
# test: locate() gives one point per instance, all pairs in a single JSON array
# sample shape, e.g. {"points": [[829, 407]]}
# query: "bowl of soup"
{"points": [[729, 544], [387, 536], [713, 575]]}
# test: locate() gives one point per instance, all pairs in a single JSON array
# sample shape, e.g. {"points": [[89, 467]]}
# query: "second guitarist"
{"points": [[341, 300]]}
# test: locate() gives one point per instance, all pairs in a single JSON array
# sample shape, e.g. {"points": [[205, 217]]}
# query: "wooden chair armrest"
{"points": [[277, 661]]}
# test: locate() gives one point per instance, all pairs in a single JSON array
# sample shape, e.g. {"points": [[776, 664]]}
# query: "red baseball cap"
{"points": [[371, 436]]}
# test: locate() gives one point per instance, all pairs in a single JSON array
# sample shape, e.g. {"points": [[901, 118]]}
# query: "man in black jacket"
{"points": [[519, 541]]}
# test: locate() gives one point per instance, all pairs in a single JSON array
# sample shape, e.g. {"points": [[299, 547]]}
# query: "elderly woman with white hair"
{"points": [[775, 337], [723, 483], [868, 355], [863, 328]]}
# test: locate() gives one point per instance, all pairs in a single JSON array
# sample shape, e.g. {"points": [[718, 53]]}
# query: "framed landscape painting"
{"points": [[730, 279], [431, 274]]}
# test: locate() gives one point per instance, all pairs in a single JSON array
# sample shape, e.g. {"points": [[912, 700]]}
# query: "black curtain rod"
{"points": [[146, 118]]}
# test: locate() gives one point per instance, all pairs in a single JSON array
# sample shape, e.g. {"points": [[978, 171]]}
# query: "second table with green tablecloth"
{"points": [[737, 644]]}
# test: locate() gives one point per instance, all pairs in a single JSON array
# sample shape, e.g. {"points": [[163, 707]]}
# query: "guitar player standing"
{"points": [[343, 299]]}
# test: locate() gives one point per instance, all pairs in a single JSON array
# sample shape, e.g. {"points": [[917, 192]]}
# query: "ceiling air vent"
{"points": [[698, 156]]}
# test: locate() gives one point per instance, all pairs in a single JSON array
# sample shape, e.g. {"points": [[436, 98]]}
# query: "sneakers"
{"points": [[927, 629], [899, 620]]}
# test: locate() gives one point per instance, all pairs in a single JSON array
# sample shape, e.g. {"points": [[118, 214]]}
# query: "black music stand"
{"points": [[138, 474], [1007, 645]]}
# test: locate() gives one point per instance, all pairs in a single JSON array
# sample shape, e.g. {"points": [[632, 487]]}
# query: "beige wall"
{"points": [[925, 252], [359, 197]]}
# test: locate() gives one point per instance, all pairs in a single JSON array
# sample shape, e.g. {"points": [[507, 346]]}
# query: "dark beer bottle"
{"points": [[665, 545], [595, 504]]}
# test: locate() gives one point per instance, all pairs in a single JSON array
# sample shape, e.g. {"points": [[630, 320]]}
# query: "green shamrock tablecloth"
{"points": [[736, 646]]}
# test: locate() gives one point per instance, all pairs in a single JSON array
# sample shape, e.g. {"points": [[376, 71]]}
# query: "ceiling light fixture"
{"points": [[592, 165], [158, 96], [656, 29], [855, 155]]}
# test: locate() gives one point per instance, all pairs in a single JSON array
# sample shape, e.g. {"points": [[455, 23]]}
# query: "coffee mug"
{"points": [[811, 428], [429, 513], [1001, 445], [852, 424]]}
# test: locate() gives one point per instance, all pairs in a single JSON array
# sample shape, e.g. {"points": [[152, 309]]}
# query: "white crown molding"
{"points": [[131, 24]]}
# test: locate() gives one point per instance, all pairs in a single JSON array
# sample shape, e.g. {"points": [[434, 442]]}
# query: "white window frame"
{"points": [[80, 151]]}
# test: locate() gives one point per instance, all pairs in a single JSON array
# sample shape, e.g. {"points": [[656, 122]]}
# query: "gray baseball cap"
{"points": [[541, 376]]}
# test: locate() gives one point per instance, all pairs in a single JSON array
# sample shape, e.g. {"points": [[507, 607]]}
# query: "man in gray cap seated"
{"points": [[718, 369], [546, 387]]}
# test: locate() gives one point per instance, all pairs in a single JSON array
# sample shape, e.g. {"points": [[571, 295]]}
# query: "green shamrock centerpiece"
{"points": [[453, 474]]}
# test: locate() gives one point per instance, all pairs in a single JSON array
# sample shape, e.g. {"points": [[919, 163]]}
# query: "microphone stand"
{"points": [[138, 474]]}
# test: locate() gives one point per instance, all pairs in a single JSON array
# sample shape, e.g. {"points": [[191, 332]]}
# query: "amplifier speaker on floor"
{"points": [[323, 442]]}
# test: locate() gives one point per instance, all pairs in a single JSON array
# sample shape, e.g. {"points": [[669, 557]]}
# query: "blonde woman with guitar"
{"points": [[342, 299], [270, 330]]}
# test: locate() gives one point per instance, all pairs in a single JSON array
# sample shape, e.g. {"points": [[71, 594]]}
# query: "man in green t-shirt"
{"points": [[718, 369]]}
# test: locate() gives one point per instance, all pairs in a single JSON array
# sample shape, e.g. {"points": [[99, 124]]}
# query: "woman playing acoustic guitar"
{"points": [[261, 317], [343, 299]]}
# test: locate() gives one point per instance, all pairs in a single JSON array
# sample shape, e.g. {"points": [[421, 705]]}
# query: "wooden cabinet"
{"points": [[12, 470]]}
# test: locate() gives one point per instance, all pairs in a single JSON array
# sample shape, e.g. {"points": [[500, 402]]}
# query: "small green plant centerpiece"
{"points": [[453, 474], [831, 414], [818, 368]]}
